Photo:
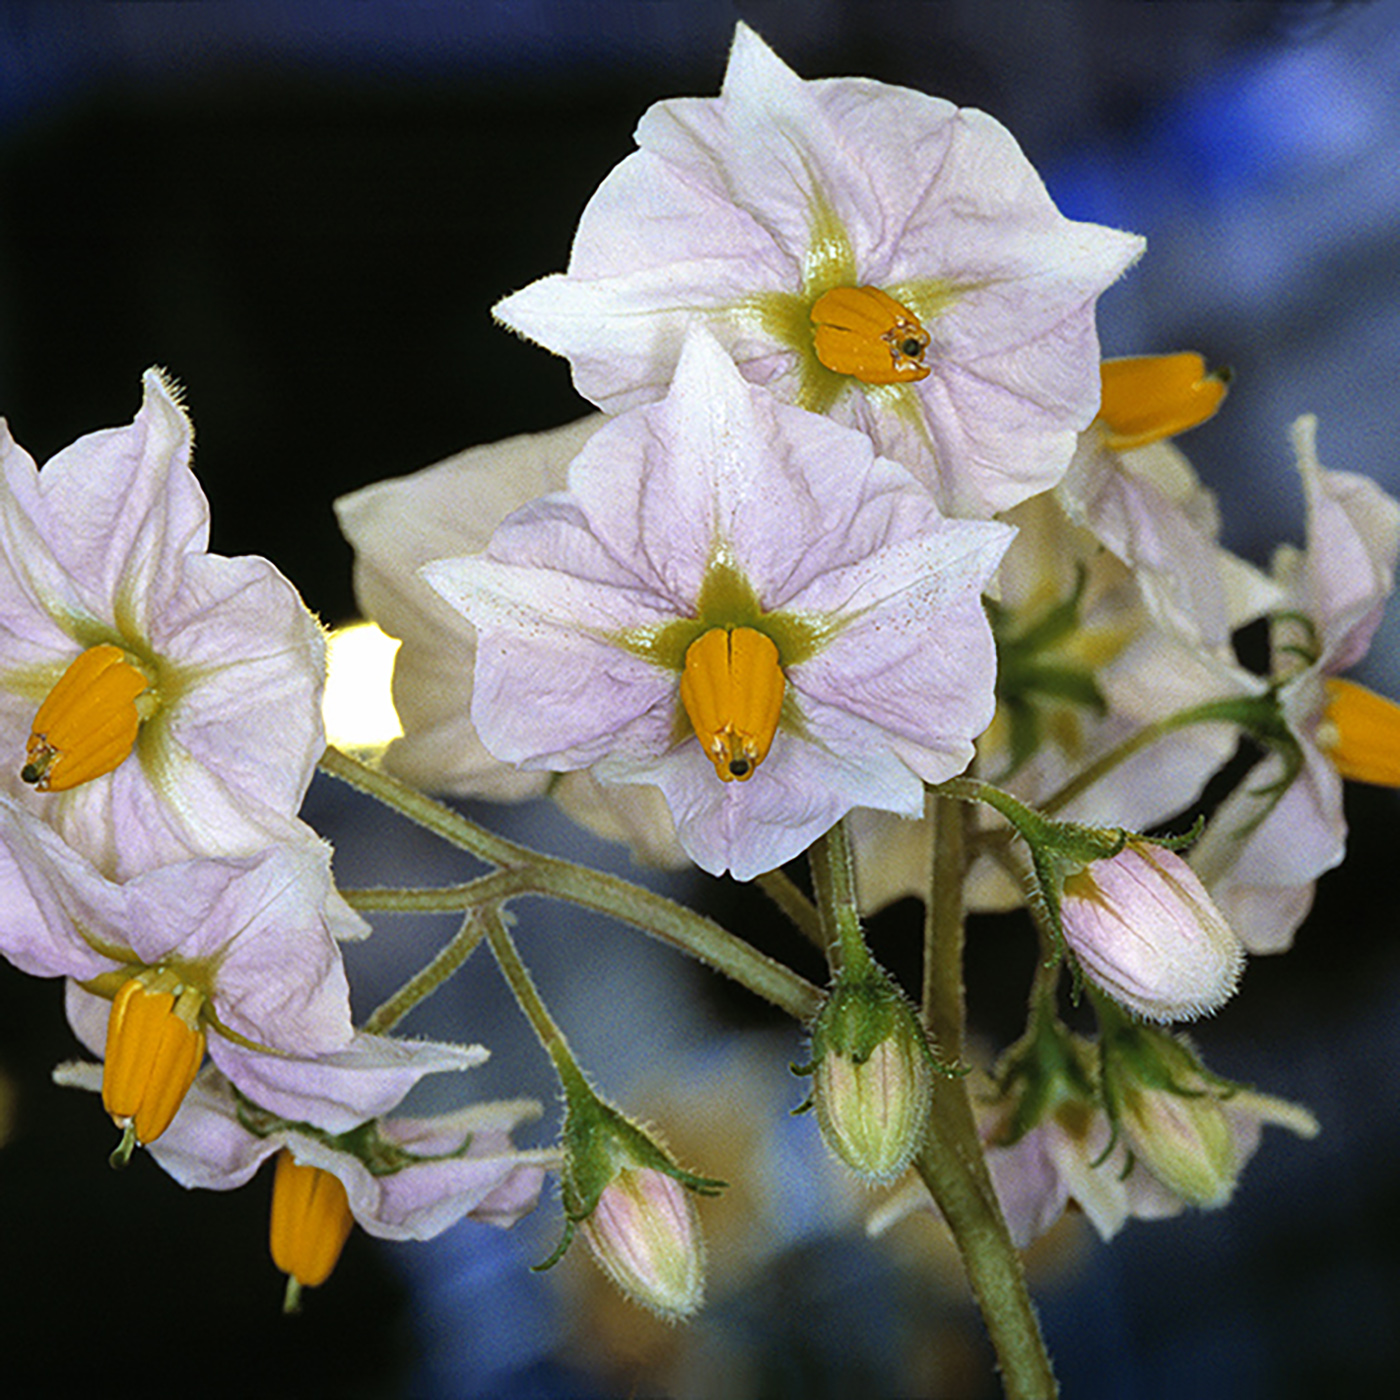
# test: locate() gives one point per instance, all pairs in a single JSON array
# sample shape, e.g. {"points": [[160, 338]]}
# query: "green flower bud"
{"points": [[872, 1075]]}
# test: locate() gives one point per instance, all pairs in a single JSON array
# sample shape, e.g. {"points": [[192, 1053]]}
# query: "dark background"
{"points": [[304, 211]]}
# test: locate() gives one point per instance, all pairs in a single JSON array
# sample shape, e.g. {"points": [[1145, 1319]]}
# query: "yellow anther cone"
{"points": [[1150, 397], [1361, 733], [311, 1221], [154, 1049], [732, 689], [866, 333], [88, 724]]}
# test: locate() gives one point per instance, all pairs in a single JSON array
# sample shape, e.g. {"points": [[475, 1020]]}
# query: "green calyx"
{"points": [[1045, 1072], [1039, 671]]}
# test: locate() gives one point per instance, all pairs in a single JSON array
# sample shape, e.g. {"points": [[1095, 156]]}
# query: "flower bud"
{"points": [[1142, 927], [646, 1235], [1169, 1107], [633, 1204], [871, 1076]]}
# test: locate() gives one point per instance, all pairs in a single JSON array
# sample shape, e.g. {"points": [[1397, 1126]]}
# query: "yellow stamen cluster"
{"points": [[732, 689], [311, 1221], [1150, 397], [1361, 734], [88, 724], [154, 1047], [866, 333]]}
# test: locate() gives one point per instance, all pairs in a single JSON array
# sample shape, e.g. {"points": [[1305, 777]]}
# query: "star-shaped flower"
{"points": [[859, 249], [156, 701], [236, 953], [738, 602]]}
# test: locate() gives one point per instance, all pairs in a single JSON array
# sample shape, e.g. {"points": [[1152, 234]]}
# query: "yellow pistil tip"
{"points": [[88, 724], [311, 1221], [1360, 733], [732, 689], [1150, 397], [866, 333], [154, 1048]]}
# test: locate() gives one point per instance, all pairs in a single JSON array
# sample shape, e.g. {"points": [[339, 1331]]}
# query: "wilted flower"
{"points": [[859, 249], [739, 603], [158, 701]]}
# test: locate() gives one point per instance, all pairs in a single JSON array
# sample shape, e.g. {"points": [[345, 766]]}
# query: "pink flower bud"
{"points": [[1143, 928], [645, 1234]]}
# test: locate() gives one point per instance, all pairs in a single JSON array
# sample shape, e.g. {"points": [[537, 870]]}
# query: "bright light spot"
{"points": [[358, 709]]}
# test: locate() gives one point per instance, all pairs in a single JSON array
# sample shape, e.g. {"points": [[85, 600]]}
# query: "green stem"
{"points": [[529, 872], [1256, 714], [522, 985], [952, 1164], [833, 880], [944, 1012], [428, 813], [441, 899], [426, 981], [779, 887]]}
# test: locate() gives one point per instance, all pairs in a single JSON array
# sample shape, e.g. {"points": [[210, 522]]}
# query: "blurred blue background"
{"points": [[305, 211]]}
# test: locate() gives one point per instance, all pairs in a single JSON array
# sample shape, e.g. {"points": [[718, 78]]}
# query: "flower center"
{"points": [[311, 1221], [1360, 732], [154, 1047], [864, 332], [1150, 397], [89, 722], [732, 689]]}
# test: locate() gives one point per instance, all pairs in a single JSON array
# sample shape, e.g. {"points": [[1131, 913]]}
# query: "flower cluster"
{"points": [[766, 595], [868, 559], [161, 707]]}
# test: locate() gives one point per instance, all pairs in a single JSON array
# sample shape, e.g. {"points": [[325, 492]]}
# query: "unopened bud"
{"points": [[1142, 927], [872, 1076], [633, 1204], [646, 1235], [1172, 1110]]}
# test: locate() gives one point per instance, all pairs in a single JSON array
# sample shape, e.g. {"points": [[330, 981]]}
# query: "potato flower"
{"points": [[738, 602]]}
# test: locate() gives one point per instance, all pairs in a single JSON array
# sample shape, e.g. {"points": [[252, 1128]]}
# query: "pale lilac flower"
{"points": [[243, 944], [746, 210], [445, 511], [1268, 843], [406, 1178], [106, 546], [1142, 927], [721, 509]]}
